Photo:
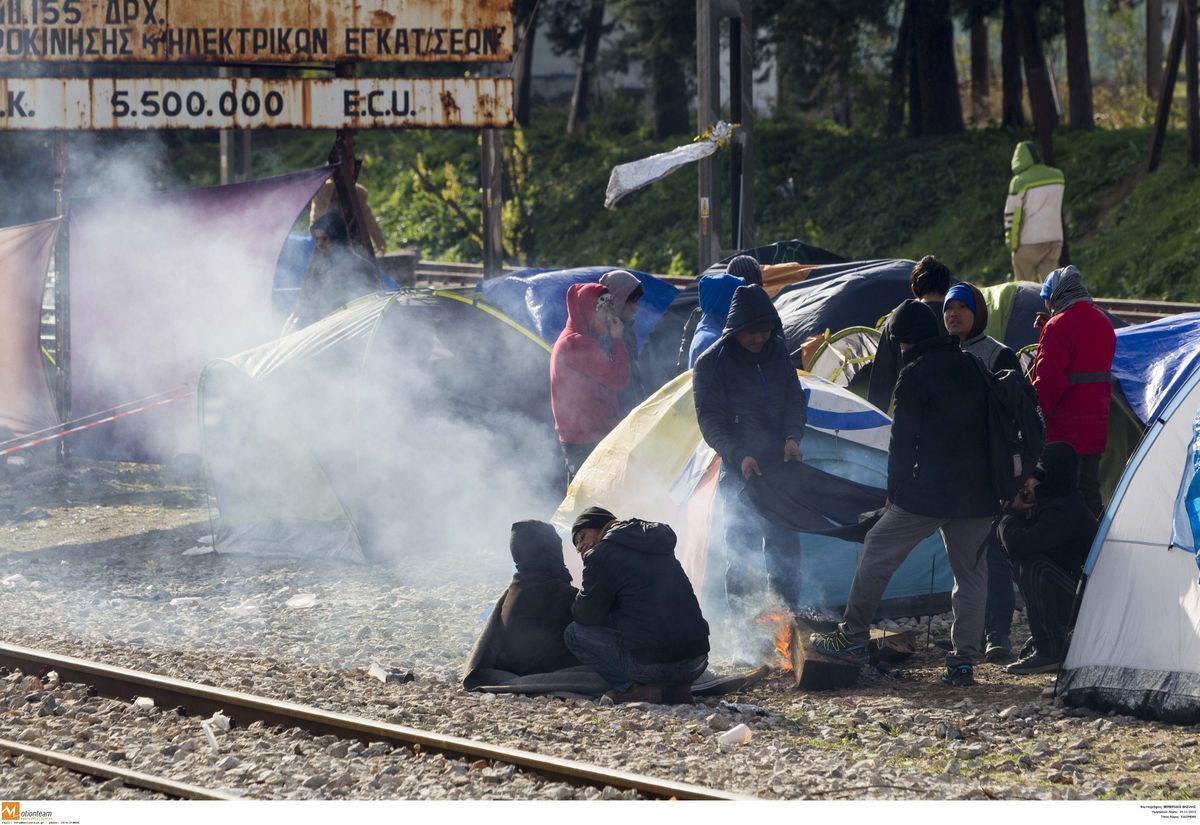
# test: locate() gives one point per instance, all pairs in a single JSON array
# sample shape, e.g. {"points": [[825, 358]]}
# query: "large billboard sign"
{"points": [[256, 31], [247, 103]]}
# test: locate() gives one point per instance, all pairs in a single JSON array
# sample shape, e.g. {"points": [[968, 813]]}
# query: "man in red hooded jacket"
{"points": [[589, 367], [1073, 375]]}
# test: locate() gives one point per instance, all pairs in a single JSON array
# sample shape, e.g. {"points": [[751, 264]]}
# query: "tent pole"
{"points": [[62, 290]]}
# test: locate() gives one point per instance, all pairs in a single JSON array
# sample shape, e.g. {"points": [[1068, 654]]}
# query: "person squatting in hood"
{"points": [[537, 605], [637, 621], [752, 411], [1047, 533], [938, 479], [589, 367]]}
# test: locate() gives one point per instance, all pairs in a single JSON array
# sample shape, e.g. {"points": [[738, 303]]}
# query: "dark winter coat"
{"points": [[335, 277], [537, 605], [887, 362], [938, 460], [1072, 376], [1061, 527], [585, 378], [748, 404], [633, 583]]}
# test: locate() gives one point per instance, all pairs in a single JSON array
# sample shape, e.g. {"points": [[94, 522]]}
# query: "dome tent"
{"points": [[363, 434]]}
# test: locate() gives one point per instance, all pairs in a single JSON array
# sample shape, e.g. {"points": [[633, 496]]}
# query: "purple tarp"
{"points": [[26, 404], [161, 284]]}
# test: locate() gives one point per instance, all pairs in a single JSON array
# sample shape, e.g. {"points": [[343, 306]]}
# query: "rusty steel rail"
{"points": [[133, 779], [122, 683], [1137, 311]]}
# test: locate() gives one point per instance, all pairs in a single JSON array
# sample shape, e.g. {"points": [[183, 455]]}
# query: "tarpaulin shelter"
{"points": [[784, 263], [26, 401], [401, 424], [1136, 643], [162, 283], [537, 298], [1154, 360], [655, 465]]}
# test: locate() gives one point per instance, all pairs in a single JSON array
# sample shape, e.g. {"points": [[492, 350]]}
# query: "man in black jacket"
{"points": [[752, 411], [938, 479], [1048, 535], [929, 281], [537, 605], [637, 621]]}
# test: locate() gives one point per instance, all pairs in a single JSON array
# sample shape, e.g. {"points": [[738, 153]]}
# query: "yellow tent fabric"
{"points": [[999, 300]]}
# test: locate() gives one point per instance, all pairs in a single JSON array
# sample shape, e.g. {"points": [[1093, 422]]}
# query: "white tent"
{"points": [[1136, 644]]}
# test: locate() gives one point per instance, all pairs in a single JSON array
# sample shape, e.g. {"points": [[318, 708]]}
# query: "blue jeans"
{"points": [[604, 650], [759, 554]]}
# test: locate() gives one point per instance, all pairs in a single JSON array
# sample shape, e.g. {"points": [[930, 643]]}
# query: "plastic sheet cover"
{"points": [[629, 177], [537, 298], [1153, 360], [163, 283], [26, 404]]}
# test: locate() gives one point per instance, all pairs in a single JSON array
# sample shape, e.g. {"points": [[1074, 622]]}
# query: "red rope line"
{"points": [[33, 442]]}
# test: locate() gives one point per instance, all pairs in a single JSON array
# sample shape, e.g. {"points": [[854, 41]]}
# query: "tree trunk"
{"points": [[1154, 47], [894, 120], [939, 108], [1079, 72], [581, 97], [523, 75], [670, 95], [1012, 110], [1041, 98], [981, 79]]}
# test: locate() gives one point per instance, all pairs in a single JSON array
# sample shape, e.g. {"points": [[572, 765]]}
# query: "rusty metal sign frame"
{"points": [[254, 103], [256, 31]]}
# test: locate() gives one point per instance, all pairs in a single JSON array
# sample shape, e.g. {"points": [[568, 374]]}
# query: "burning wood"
{"points": [[781, 621]]}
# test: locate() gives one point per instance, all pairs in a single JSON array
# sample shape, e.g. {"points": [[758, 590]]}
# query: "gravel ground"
{"points": [[93, 564]]}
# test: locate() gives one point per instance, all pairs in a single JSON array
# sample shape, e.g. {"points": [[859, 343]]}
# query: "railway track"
{"points": [[244, 708]]}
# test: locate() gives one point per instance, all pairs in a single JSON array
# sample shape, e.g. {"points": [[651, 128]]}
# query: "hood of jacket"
{"points": [[650, 537], [1057, 471], [621, 283], [537, 548], [751, 307], [581, 307], [1025, 156], [716, 295], [1065, 288]]}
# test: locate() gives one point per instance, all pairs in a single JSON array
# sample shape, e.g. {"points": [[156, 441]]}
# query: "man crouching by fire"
{"points": [[637, 621]]}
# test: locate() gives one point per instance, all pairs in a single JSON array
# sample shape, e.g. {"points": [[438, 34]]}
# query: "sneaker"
{"points": [[1036, 663], [997, 653], [959, 676], [837, 645]]}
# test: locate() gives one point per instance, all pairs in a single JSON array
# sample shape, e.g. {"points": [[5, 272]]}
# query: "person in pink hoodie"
{"points": [[589, 367]]}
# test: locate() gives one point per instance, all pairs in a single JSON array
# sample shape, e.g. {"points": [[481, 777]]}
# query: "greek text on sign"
{"points": [[247, 103], [248, 31]]}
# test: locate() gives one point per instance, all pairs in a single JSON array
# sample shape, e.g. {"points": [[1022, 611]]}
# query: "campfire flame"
{"points": [[782, 623]]}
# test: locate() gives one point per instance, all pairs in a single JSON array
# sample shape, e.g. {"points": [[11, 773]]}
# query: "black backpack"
{"points": [[1016, 430]]}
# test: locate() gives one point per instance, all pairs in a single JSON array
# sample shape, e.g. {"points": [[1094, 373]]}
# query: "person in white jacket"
{"points": [[1033, 226]]}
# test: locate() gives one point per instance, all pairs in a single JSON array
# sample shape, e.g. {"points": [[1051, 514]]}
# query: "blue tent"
{"points": [[1154, 360], [537, 298]]}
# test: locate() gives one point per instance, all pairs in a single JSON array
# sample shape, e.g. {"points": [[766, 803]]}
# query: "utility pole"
{"points": [[709, 14], [62, 291]]}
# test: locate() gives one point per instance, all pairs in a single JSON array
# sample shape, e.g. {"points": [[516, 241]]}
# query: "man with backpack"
{"points": [[938, 479]]}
